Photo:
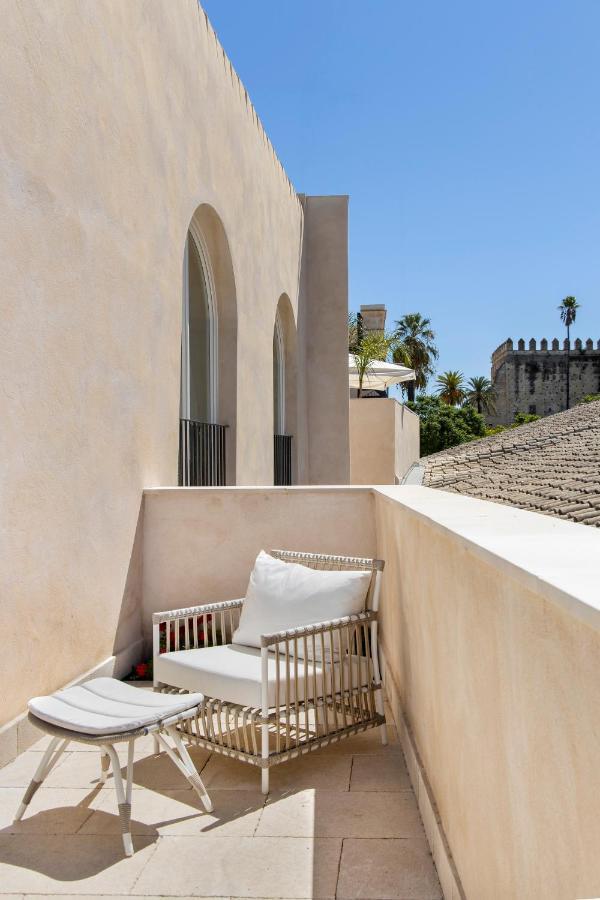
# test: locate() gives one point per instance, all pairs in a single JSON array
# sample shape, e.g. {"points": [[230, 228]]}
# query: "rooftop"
{"points": [[343, 822], [551, 466]]}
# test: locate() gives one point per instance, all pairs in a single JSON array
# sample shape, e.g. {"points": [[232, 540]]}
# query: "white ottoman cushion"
{"points": [[108, 706]]}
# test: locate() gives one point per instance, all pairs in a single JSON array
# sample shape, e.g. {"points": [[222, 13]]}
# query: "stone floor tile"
{"points": [[51, 811], [379, 773], [181, 813], [315, 770], [366, 742], [70, 864], [144, 746], [242, 867], [387, 870], [20, 771], [312, 813], [156, 772]]}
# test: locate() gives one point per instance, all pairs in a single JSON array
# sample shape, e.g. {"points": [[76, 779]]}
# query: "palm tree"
{"points": [[373, 346], [451, 387], [415, 347], [355, 331], [568, 312], [481, 394]]}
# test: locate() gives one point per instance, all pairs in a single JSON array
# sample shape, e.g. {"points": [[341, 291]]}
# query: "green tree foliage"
{"points": [[355, 331], [373, 347], [415, 347], [451, 387], [520, 419], [568, 311], [481, 394], [443, 425]]}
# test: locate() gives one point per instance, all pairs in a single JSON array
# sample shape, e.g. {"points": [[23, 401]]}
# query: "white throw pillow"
{"points": [[284, 595]]}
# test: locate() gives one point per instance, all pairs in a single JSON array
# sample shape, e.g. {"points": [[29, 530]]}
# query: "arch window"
{"points": [[202, 445], [278, 378], [199, 339]]}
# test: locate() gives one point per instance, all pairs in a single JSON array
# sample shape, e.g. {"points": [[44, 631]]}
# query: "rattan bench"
{"points": [[104, 712]]}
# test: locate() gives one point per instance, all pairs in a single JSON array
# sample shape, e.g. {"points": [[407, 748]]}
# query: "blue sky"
{"points": [[467, 135]]}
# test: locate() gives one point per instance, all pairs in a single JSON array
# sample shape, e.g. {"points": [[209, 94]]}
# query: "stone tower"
{"points": [[532, 379]]}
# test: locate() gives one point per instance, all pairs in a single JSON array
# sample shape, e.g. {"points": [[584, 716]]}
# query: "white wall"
{"points": [[384, 440]]}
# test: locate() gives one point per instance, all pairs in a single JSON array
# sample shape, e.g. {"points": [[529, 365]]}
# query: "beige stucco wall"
{"points": [[323, 343], [119, 119], [384, 440], [491, 631], [200, 544]]}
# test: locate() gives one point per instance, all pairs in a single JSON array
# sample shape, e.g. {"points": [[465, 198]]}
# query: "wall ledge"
{"points": [[558, 559]]}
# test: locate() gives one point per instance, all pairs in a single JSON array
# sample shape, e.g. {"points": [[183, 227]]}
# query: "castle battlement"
{"points": [[531, 376], [554, 346]]}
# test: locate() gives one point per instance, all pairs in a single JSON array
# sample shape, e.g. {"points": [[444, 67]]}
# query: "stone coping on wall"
{"points": [[558, 559]]}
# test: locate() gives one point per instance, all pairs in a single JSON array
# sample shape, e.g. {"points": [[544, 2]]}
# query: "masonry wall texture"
{"points": [[533, 379]]}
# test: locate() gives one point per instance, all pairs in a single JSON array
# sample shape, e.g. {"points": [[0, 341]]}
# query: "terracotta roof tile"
{"points": [[551, 466]]}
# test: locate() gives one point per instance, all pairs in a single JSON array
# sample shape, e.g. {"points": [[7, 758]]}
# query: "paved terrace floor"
{"points": [[342, 822]]}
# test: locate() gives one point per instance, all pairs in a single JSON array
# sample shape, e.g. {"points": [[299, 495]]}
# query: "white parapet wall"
{"points": [[384, 440], [491, 633]]}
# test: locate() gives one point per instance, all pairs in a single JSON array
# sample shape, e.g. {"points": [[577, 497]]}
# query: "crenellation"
{"points": [[534, 381]]}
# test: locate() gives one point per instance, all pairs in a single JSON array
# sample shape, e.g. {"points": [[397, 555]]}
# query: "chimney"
{"points": [[373, 317]]}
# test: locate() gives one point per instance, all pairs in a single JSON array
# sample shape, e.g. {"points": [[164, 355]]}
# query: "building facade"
{"points": [[159, 278], [533, 379]]}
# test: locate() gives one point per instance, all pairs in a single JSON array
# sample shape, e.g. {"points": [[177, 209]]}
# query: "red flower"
{"points": [[141, 670]]}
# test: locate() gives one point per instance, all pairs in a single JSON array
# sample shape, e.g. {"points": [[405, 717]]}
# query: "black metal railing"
{"points": [[283, 459], [201, 454]]}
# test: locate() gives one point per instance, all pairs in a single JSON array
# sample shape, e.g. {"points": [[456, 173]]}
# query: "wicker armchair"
{"points": [[304, 688]]}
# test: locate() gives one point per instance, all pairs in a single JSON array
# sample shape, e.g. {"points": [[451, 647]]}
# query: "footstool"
{"points": [[104, 712]]}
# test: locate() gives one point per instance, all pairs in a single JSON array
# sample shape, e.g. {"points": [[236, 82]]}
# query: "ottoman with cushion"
{"points": [[104, 712]]}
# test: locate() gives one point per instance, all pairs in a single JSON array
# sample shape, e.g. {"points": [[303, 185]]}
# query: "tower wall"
{"points": [[532, 379]]}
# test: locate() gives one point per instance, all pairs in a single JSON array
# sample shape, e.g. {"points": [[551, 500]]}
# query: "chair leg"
{"points": [[380, 706], [104, 766], [46, 765], [123, 794], [264, 780], [185, 764]]}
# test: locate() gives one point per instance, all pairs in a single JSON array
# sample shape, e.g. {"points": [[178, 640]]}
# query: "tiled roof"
{"points": [[551, 466]]}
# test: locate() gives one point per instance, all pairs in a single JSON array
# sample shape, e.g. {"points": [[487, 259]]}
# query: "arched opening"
{"points": [[208, 356], [284, 393]]}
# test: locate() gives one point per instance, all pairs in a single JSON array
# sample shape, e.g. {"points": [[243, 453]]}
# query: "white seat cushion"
{"points": [[107, 706], [232, 672], [284, 595]]}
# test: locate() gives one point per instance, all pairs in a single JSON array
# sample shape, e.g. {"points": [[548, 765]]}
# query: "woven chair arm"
{"points": [[170, 614], [267, 640]]}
